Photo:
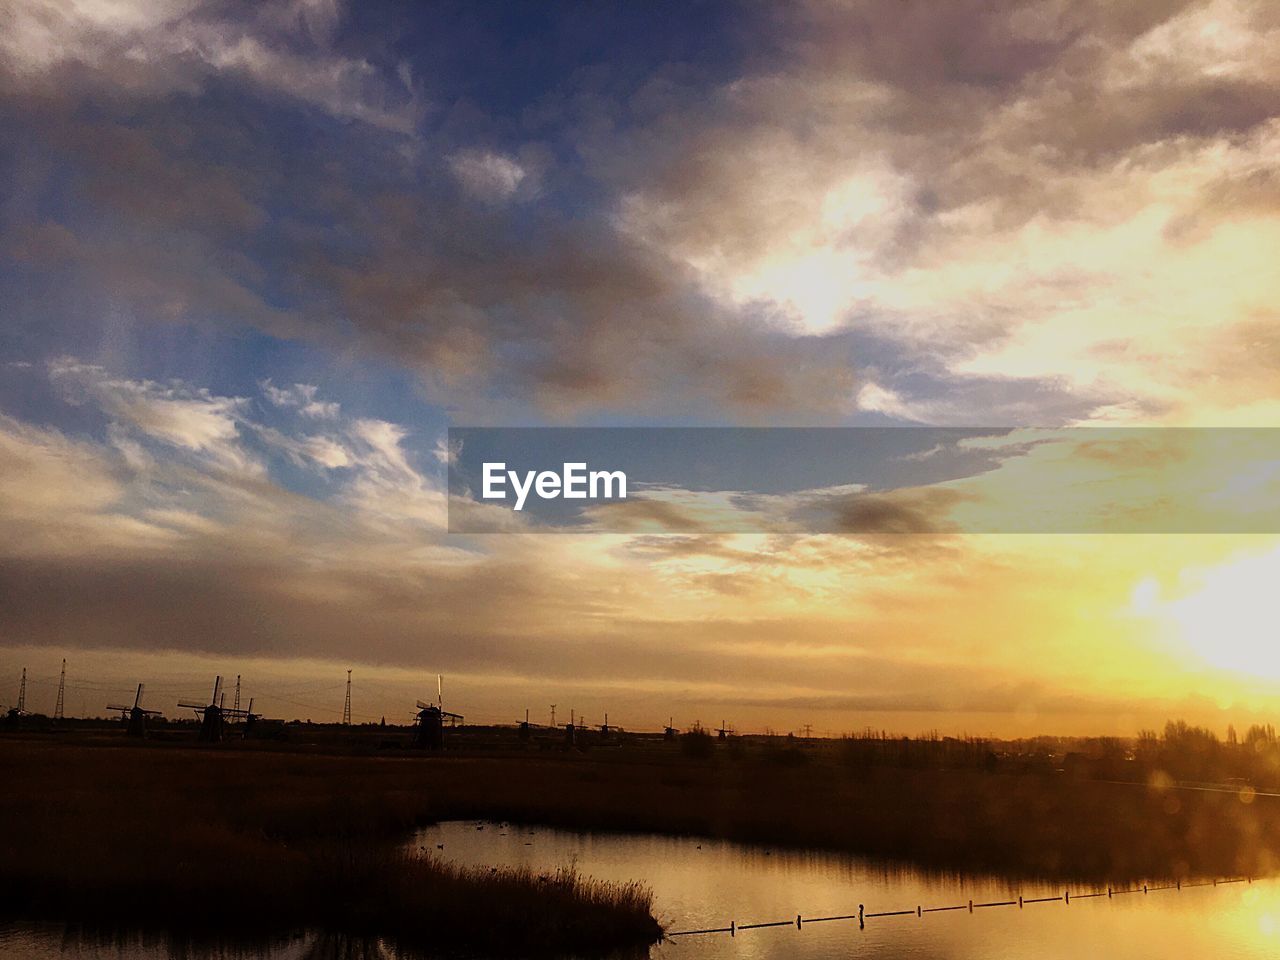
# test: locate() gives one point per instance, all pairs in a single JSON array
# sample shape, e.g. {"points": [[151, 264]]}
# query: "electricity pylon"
{"points": [[62, 692]]}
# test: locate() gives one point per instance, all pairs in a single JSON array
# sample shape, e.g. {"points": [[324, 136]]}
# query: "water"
{"points": [[701, 883], [704, 883]]}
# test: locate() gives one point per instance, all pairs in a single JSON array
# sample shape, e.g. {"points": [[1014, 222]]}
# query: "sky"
{"points": [[257, 258]]}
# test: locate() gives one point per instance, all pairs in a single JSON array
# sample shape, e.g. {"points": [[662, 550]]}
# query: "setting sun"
{"points": [[1226, 615]]}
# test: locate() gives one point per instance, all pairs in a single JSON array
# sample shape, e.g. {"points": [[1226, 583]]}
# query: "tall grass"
{"points": [[220, 846], [426, 902]]}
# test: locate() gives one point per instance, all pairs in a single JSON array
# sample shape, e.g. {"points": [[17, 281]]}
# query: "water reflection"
{"points": [[38, 941], [700, 884], [47, 941]]}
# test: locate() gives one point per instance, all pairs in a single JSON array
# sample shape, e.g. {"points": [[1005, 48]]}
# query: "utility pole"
{"points": [[22, 692], [59, 707], [346, 707], [237, 703], [808, 730], [553, 715]]}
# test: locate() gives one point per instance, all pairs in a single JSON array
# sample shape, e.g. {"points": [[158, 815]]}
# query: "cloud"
{"points": [[993, 187], [907, 511], [328, 452], [196, 217], [386, 485], [51, 486], [176, 435], [1004, 193], [301, 396], [191, 419], [878, 399], [178, 46], [487, 176]]}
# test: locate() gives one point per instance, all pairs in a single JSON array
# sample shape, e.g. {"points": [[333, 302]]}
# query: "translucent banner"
{"points": [[864, 480]]}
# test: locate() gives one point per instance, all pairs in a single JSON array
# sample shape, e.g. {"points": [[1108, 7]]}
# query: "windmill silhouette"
{"points": [[215, 714], [15, 713], [135, 717], [431, 719]]}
